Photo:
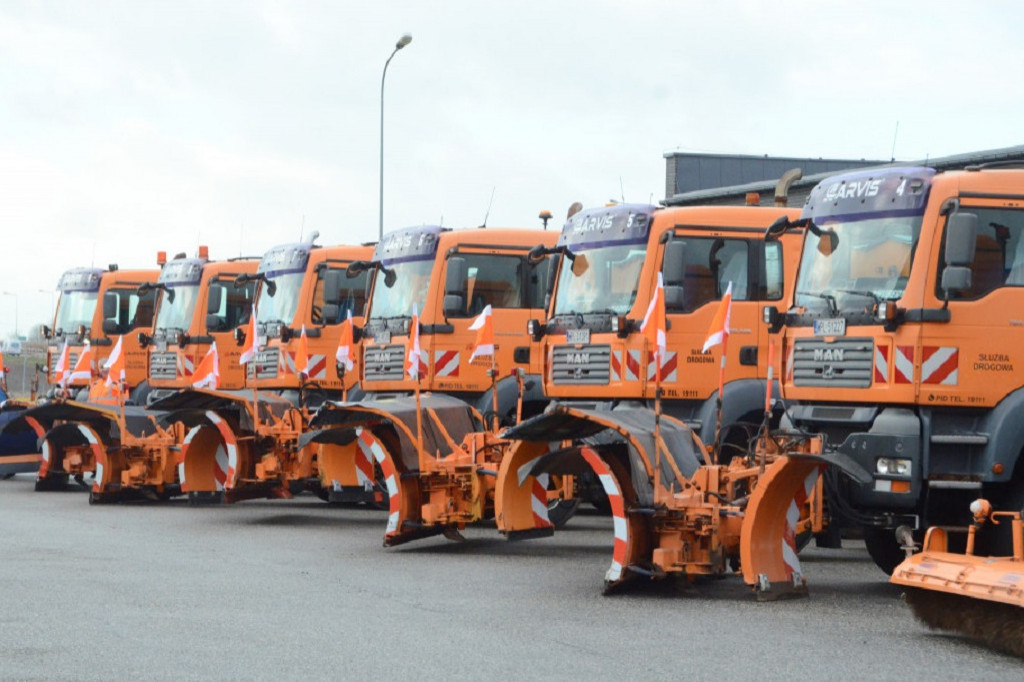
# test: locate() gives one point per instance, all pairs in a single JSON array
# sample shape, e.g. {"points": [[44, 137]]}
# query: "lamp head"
{"points": [[403, 41]]}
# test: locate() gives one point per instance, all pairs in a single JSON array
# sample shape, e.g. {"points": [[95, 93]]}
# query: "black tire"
{"points": [[560, 511], [883, 548]]}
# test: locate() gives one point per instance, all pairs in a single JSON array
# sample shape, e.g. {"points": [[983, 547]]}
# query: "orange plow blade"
{"points": [[768, 553], [980, 597]]}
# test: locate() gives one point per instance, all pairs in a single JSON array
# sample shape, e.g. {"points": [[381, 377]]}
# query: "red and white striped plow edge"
{"points": [[789, 549], [391, 481], [225, 460], [614, 493], [98, 454], [539, 501]]}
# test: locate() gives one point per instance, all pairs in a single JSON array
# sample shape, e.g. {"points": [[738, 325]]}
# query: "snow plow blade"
{"points": [[979, 597]]}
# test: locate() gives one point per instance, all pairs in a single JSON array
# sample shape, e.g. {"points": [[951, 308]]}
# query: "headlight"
{"points": [[889, 466]]}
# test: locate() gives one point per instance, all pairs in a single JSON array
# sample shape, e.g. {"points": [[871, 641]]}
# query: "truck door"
{"points": [[695, 283]]}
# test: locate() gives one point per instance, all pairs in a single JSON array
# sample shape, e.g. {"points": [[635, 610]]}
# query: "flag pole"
{"points": [[494, 392], [718, 402], [768, 399], [657, 420]]}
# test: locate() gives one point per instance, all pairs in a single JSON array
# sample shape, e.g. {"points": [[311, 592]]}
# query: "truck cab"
{"points": [[97, 306], [447, 277], [902, 338], [609, 262], [198, 305], [302, 286]]}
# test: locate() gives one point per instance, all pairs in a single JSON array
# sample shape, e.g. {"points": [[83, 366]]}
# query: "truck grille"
{"points": [[588, 364], [843, 363], [265, 363], [383, 363], [163, 366]]}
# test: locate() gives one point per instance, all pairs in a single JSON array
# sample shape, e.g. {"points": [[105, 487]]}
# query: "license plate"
{"points": [[835, 326], [578, 335], [382, 337]]}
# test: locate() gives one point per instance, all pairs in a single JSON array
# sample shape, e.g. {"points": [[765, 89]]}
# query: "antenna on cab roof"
{"points": [[489, 203]]}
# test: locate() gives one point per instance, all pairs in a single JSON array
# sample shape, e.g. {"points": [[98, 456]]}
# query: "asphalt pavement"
{"points": [[297, 590]]}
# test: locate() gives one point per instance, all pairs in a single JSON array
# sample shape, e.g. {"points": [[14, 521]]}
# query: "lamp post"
{"points": [[8, 293], [402, 42]]}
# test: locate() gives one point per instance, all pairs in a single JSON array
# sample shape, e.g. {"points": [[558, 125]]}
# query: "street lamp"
{"points": [[402, 42], [8, 293]]}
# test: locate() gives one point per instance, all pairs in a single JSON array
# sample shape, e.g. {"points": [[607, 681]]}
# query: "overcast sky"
{"points": [[129, 127]]}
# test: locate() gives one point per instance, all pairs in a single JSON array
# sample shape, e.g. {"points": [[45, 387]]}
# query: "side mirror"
{"points": [[777, 228], [214, 300], [109, 305], [144, 339], [674, 297], [390, 277], [332, 286], [239, 336], [45, 331], [110, 326], [828, 242], [956, 278], [329, 313], [536, 254], [961, 238], [552, 276], [674, 265], [356, 268], [455, 277], [453, 305]]}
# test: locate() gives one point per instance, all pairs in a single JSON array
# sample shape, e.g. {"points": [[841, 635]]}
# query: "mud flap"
{"points": [[520, 498], [768, 553], [208, 459], [347, 470]]}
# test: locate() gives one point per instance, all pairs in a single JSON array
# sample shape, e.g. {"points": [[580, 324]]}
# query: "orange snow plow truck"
{"points": [[303, 303], [902, 345], [592, 346], [132, 449], [95, 309], [679, 507], [427, 397]]}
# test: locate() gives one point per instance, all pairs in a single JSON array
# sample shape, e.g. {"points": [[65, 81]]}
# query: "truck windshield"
{"points": [[281, 305], [176, 314], [600, 280], [411, 281], [75, 308], [870, 263]]}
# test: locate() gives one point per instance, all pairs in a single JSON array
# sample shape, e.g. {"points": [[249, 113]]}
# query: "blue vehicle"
{"points": [[19, 450]]}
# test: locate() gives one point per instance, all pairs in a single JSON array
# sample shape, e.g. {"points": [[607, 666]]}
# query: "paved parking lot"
{"points": [[301, 590]]}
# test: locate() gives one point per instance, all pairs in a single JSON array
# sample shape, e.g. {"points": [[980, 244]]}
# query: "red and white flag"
{"points": [[3, 367], [345, 343], [115, 364], [412, 365], [83, 368], [653, 326], [483, 325], [719, 330], [249, 354], [207, 374], [62, 370], [302, 354]]}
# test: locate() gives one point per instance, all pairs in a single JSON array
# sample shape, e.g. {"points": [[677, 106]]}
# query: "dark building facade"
{"points": [[723, 179]]}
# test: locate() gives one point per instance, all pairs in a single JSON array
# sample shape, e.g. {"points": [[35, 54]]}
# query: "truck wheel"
{"points": [[560, 511], [883, 548]]}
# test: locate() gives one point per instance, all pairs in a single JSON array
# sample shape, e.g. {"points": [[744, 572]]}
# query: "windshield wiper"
{"points": [[833, 309], [861, 292]]}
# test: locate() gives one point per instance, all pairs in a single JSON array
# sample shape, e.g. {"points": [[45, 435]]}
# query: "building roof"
{"points": [[812, 174]]}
